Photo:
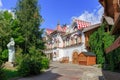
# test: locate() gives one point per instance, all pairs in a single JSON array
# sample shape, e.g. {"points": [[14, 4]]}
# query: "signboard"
{"points": [[115, 45]]}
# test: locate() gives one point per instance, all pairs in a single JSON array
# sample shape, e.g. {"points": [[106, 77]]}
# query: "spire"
{"points": [[58, 23], [58, 27]]}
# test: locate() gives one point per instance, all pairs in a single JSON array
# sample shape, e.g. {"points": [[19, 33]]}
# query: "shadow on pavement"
{"points": [[108, 75], [48, 75], [101, 78]]}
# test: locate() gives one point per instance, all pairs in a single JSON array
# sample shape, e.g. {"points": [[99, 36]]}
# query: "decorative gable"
{"points": [[80, 24], [49, 31]]}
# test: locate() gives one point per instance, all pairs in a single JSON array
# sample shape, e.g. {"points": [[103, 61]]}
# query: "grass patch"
{"points": [[11, 73]]}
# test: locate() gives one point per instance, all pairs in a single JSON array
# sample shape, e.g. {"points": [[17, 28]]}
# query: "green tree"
{"points": [[6, 19], [29, 21], [5, 28], [99, 41], [28, 37]]}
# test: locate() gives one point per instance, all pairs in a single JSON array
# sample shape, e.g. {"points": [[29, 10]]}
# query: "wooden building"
{"points": [[88, 31], [87, 58], [112, 10]]}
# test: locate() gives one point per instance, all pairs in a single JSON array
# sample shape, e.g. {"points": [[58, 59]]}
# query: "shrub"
{"points": [[5, 55], [114, 60], [2, 73], [10, 74], [45, 63], [29, 66], [18, 56], [38, 55], [32, 63]]}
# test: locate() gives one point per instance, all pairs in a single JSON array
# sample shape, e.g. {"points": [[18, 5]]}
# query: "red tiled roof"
{"points": [[49, 31], [62, 29], [59, 28], [82, 24]]}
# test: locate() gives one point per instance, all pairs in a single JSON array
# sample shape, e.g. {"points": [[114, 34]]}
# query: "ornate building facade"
{"points": [[69, 41]]}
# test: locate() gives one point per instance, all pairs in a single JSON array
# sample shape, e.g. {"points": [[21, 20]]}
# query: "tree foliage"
{"points": [[6, 23], [99, 41], [29, 19], [114, 60], [5, 28], [28, 37], [24, 27]]}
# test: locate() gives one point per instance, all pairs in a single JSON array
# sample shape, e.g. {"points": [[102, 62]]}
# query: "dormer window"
{"points": [[76, 36], [75, 27]]}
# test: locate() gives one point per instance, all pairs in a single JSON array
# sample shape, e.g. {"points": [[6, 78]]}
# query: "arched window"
{"points": [[67, 41], [54, 54], [76, 38]]}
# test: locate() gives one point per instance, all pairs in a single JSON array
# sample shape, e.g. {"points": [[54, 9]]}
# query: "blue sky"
{"points": [[54, 11]]}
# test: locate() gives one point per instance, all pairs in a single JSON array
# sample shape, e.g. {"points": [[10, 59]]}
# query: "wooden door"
{"points": [[75, 58], [51, 56]]}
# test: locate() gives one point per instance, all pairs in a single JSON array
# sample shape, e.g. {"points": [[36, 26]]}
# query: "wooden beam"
{"points": [[115, 45]]}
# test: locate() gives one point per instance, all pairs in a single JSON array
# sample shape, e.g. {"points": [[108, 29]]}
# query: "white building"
{"points": [[68, 41]]}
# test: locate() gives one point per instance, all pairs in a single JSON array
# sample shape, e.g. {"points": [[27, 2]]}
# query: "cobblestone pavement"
{"points": [[67, 71]]}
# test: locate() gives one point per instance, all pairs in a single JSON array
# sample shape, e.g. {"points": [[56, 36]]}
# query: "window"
{"points": [[54, 55], [106, 29], [76, 40], [75, 36], [63, 43], [67, 41], [80, 40], [72, 41]]}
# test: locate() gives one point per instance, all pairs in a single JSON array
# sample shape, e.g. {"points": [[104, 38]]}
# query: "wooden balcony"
{"points": [[75, 44]]}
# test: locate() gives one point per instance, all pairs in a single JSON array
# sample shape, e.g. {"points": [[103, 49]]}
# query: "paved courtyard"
{"points": [[67, 71]]}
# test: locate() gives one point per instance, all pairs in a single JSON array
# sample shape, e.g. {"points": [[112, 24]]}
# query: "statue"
{"points": [[11, 49]]}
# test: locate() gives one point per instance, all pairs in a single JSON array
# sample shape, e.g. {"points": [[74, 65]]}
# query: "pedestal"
{"points": [[9, 64]]}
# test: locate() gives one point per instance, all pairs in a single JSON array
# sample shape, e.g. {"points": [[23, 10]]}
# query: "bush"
{"points": [[29, 66], [32, 63], [45, 63], [38, 55], [2, 73], [18, 56], [5, 55], [114, 60], [11, 74]]}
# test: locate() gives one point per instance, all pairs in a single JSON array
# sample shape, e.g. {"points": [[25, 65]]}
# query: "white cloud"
{"points": [[93, 17], [1, 3]]}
